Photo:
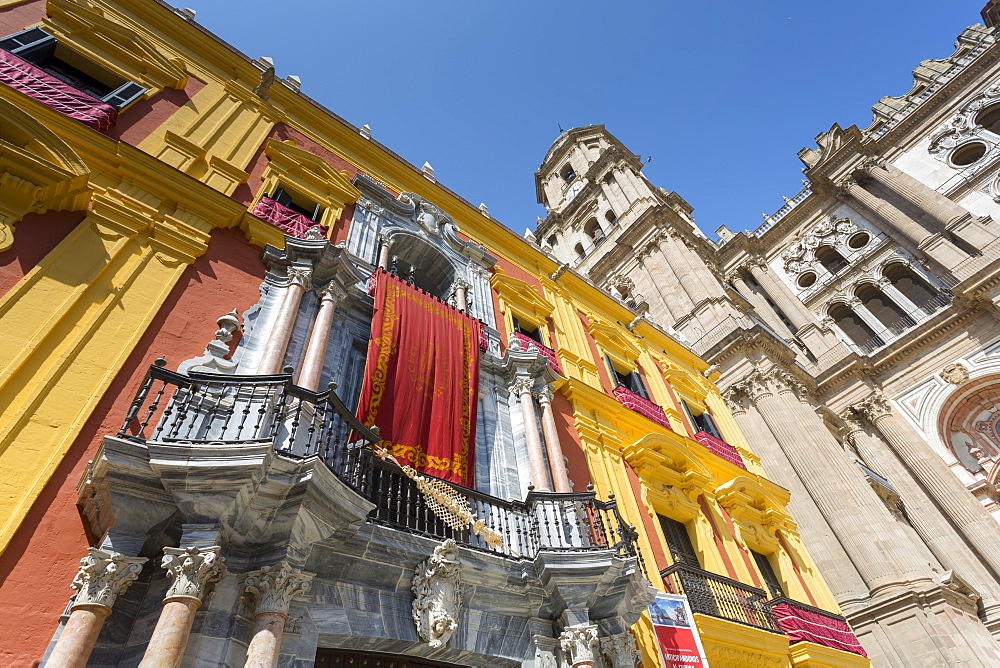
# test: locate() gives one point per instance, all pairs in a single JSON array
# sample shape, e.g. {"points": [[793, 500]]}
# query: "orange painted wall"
{"points": [[34, 237], [17, 18], [38, 566]]}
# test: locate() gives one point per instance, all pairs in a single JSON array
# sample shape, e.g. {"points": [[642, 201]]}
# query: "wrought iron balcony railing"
{"points": [[172, 407], [718, 596]]}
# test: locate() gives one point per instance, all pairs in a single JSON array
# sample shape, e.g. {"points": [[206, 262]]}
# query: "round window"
{"points": [[859, 240], [807, 279], [968, 154]]}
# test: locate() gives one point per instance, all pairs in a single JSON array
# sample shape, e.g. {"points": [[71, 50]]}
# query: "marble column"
{"points": [[103, 575], [272, 589], [963, 509], [319, 337], [945, 544], [383, 253], [578, 643], [876, 325], [666, 283], [764, 310], [557, 465], [621, 650], [281, 331], [522, 387], [461, 292], [879, 549], [780, 294], [192, 570], [938, 210], [694, 276], [893, 293]]}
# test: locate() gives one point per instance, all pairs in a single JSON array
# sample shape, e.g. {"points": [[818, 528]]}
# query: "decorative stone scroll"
{"points": [[578, 643], [801, 254], [103, 575], [437, 595], [192, 569], [274, 587]]}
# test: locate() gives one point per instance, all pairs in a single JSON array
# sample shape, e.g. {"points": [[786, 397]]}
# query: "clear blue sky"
{"points": [[721, 94]]}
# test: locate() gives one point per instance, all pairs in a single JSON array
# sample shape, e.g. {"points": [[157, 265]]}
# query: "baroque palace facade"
{"points": [[856, 336], [205, 276]]}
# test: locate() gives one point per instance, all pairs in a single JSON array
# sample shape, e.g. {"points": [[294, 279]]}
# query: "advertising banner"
{"points": [[676, 634]]}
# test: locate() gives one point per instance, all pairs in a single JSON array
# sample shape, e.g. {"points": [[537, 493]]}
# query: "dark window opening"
{"points": [[766, 570], [630, 380], [568, 174], [884, 309], [72, 68], [913, 286], [831, 260], [580, 253], [528, 330], [298, 203], [989, 118], [856, 329], [702, 421], [611, 218]]}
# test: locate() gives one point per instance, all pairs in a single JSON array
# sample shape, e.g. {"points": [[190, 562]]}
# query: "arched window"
{"points": [[912, 286], [611, 217], [887, 311], [580, 253], [831, 260], [989, 118], [431, 270], [593, 230], [567, 174], [856, 329], [551, 241]]}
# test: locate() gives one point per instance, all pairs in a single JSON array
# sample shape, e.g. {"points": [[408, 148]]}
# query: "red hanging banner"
{"points": [[421, 384]]}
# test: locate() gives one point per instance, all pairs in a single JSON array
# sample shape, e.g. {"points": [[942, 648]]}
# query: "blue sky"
{"points": [[721, 95]]}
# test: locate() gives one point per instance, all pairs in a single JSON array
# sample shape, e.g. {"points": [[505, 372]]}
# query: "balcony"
{"points": [[39, 85], [288, 220], [723, 598], [528, 343], [642, 406], [720, 448], [240, 410]]}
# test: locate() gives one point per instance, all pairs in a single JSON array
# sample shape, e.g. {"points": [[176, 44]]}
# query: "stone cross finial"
{"points": [[103, 575], [274, 587], [192, 569], [578, 643]]}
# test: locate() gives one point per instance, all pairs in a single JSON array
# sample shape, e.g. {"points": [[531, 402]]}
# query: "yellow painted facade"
{"points": [[68, 326]]}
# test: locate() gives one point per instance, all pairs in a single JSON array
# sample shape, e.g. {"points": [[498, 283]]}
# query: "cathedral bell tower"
{"points": [[608, 222]]}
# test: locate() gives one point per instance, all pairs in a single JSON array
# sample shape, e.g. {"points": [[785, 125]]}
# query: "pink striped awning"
{"points": [[528, 343], [721, 448], [38, 84], [801, 625], [642, 406]]}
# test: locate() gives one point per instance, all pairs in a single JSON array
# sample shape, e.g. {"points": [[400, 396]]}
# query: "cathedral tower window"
{"points": [[611, 217], [579, 252], [807, 279], [967, 154], [887, 311], [858, 241], [567, 174], [830, 258], [594, 231]]}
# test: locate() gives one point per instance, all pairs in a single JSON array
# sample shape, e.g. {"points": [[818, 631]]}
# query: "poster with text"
{"points": [[676, 634]]}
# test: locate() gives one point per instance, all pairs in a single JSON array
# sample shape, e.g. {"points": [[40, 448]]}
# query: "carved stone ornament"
{"points": [[103, 575], [578, 642], [514, 343], [263, 87], [300, 275], [956, 374], [437, 595], [192, 569], [273, 587], [874, 407], [521, 385], [801, 254], [621, 650], [962, 125], [545, 394]]}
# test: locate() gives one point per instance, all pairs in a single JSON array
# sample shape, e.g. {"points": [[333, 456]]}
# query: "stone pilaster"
{"points": [[557, 465], [794, 309], [103, 575], [522, 387], [192, 570], [315, 351], [578, 643], [963, 509], [272, 589], [620, 650]]}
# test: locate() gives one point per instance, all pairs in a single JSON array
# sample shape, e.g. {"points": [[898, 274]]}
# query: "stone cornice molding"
{"points": [[273, 587], [192, 569], [103, 575]]}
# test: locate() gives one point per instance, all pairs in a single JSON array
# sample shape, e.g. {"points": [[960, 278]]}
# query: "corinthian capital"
{"points": [[103, 575], [545, 394], [578, 642], [521, 385], [332, 292], [875, 406], [847, 185], [871, 163], [621, 650], [300, 276], [192, 569], [273, 587]]}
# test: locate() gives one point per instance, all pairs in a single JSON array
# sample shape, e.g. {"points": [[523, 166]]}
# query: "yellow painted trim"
{"points": [[811, 655], [731, 645]]}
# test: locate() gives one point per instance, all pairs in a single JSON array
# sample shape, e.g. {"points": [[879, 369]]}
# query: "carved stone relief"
{"points": [[103, 575], [437, 595], [800, 255], [956, 374]]}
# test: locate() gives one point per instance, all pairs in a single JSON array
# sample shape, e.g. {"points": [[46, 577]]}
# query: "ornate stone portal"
{"points": [[437, 595]]}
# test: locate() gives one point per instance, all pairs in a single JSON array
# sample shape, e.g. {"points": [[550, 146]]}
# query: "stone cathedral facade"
{"points": [[194, 263], [857, 337]]}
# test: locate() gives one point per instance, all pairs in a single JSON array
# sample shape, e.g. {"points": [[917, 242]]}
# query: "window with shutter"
{"points": [[631, 380], [770, 577], [678, 542], [702, 421]]}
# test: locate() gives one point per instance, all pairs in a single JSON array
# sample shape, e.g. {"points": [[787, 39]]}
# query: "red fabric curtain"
{"points": [[289, 220], [421, 385], [803, 625], [42, 86]]}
